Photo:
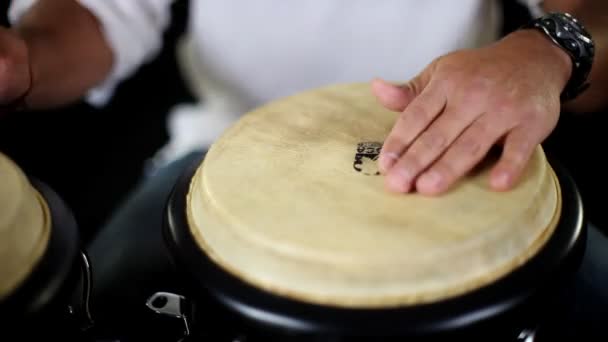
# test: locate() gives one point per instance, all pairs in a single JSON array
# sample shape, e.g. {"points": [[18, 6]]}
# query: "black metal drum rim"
{"points": [[558, 256]]}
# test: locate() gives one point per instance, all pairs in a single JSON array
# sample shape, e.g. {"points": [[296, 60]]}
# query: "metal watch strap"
{"points": [[570, 35]]}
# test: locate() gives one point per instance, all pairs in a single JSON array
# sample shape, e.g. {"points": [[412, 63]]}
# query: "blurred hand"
{"points": [[463, 103], [15, 77]]}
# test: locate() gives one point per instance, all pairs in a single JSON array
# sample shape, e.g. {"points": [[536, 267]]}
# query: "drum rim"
{"points": [[270, 310], [46, 282]]}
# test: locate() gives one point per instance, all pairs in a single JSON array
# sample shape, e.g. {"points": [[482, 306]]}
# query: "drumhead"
{"points": [[543, 267], [289, 201], [25, 227]]}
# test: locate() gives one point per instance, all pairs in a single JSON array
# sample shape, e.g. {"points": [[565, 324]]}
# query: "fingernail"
{"points": [[501, 180], [387, 160], [430, 180]]}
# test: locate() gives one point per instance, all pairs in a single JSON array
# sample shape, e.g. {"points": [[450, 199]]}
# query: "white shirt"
{"points": [[240, 54]]}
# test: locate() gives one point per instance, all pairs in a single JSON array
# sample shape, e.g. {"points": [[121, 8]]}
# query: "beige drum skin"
{"points": [[289, 200], [24, 227]]}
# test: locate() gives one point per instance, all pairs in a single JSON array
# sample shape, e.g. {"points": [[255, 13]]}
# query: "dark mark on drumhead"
{"points": [[366, 158]]}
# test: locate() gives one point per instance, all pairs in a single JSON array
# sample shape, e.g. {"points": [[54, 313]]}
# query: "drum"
{"points": [[45, 279], [285, 231]]}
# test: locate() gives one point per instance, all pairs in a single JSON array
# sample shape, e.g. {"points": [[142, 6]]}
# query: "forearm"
{"points": [[67, 52], [594, 15]]}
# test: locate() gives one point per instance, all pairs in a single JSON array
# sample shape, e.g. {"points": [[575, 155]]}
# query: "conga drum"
{"points": [[285, 230], [44, 275]]}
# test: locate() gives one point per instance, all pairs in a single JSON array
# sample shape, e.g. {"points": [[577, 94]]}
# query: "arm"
{"points": [[66, 50], [594, 15], [77, 48]]}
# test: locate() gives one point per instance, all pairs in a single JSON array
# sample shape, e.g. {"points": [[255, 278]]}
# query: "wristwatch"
{"points": [[571, 36]]}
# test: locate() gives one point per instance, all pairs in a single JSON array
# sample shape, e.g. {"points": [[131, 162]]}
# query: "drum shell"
{"points": [[537, 295], [40, 306]]}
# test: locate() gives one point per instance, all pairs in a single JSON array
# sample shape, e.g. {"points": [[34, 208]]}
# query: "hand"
{"points": [[464, 103], [15, 76]]}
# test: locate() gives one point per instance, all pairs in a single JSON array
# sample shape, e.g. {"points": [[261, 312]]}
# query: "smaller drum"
{"points": [[45, 280], [287, 227]]}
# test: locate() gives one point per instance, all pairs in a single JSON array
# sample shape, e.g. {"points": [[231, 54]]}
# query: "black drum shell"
{"points": [[536, 294], [39, 306]]}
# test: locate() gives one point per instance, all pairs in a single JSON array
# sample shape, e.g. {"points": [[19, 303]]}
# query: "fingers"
{"points": [[427, 147], [393, 97], [398, 97], [466, 152], [411, 122], [518, 148]]}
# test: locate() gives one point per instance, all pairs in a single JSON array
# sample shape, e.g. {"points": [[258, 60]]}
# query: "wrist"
{"points": [[541, 53], [551, 55]]}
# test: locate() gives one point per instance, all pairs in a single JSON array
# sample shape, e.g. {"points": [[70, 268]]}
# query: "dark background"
{"points": [[93, 157]]}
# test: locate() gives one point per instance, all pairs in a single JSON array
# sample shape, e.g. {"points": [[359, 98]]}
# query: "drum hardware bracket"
{"points": [[527, 335], [82, 311], [172, 305]]}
